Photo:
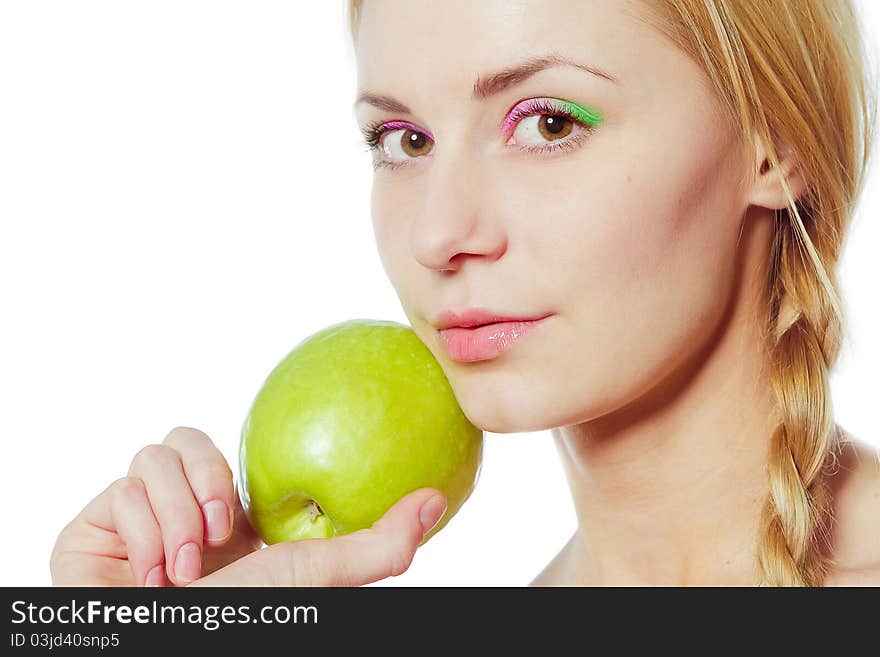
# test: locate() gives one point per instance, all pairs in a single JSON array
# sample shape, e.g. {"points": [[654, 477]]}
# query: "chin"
{"points": [[496, 414]]}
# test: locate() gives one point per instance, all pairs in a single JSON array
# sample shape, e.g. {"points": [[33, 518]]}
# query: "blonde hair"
{"points": [[791, 70]]}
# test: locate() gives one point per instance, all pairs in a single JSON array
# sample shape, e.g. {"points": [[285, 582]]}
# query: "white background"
{"points": [[184, 197]]}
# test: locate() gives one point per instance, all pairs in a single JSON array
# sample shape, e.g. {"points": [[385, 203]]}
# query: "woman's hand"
{"points": [[176, 519]]}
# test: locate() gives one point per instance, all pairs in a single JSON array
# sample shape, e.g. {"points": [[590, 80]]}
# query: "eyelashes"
{"points": [[373, 132], [584, 118]]}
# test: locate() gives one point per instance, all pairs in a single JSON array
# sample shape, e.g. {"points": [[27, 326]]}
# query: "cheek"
{"points": [[645, 262], [390, 234], [391, 219]]}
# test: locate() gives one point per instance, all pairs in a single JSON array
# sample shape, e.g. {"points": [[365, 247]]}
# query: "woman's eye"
{"points": [[404, 144], [549, 125], [539, 129]]}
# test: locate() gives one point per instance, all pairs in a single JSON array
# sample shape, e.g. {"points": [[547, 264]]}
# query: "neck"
{"points": [[668, 490]]}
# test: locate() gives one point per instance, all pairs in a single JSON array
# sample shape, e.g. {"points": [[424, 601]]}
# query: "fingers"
{"points": [[177, 496], [175, 509], [117, 523], [209, 478], [138, 528], [384, 550], [387, 548], [190, 489]]}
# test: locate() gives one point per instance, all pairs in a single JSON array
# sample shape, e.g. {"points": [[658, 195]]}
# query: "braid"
{"points": [[805, 322]]}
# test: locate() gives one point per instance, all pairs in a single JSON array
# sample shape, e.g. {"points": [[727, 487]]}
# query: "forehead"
{"points": [[420, 41]]}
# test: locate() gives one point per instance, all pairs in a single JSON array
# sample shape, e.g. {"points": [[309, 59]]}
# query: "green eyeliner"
{"points": [[588, 115]]}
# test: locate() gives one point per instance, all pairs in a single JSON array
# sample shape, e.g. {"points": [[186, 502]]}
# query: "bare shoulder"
{"points": [[551, 574], [555, 572], [855, 526]]}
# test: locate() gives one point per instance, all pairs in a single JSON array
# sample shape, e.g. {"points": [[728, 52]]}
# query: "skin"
{"points": [[647, 243], [132, 532]]}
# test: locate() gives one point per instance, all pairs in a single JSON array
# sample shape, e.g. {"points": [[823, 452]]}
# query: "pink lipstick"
{"points": [[477, 334]]}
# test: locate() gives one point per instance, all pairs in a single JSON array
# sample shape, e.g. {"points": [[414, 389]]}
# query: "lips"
{"points": [[485, 342], [474, 317]]}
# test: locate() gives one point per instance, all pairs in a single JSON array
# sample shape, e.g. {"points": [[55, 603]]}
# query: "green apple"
{"points": [[355, 417]]}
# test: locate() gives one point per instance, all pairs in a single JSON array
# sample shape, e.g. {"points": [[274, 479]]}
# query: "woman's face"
{"points": [[623, 230]]}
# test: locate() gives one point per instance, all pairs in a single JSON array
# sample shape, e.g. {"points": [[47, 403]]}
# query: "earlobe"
{"points": [[767, 190]]}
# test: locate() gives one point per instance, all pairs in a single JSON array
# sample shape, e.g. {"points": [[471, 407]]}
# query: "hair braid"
{"points": [[794, 548]]}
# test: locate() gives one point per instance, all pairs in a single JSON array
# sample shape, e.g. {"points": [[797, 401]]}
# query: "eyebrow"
{"points": [[495, 83]]}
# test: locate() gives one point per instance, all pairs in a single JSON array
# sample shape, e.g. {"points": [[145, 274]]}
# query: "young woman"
{"points": [[655, 195]]}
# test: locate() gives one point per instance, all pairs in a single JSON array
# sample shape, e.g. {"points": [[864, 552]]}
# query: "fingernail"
{"points": [[216, 520], [156, 576], [188, 566], [431, 512]]}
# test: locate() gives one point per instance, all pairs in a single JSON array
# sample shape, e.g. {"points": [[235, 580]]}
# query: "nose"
{"points": [[456, 222]]}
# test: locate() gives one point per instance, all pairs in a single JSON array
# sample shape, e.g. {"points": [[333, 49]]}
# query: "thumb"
{"points": [[384, 550]]}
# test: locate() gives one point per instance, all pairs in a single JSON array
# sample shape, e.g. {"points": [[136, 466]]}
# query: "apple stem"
{"points": [[315, 510]]}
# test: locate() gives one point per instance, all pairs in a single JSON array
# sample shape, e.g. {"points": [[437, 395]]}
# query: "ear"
{"points": [[766, 189]]}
